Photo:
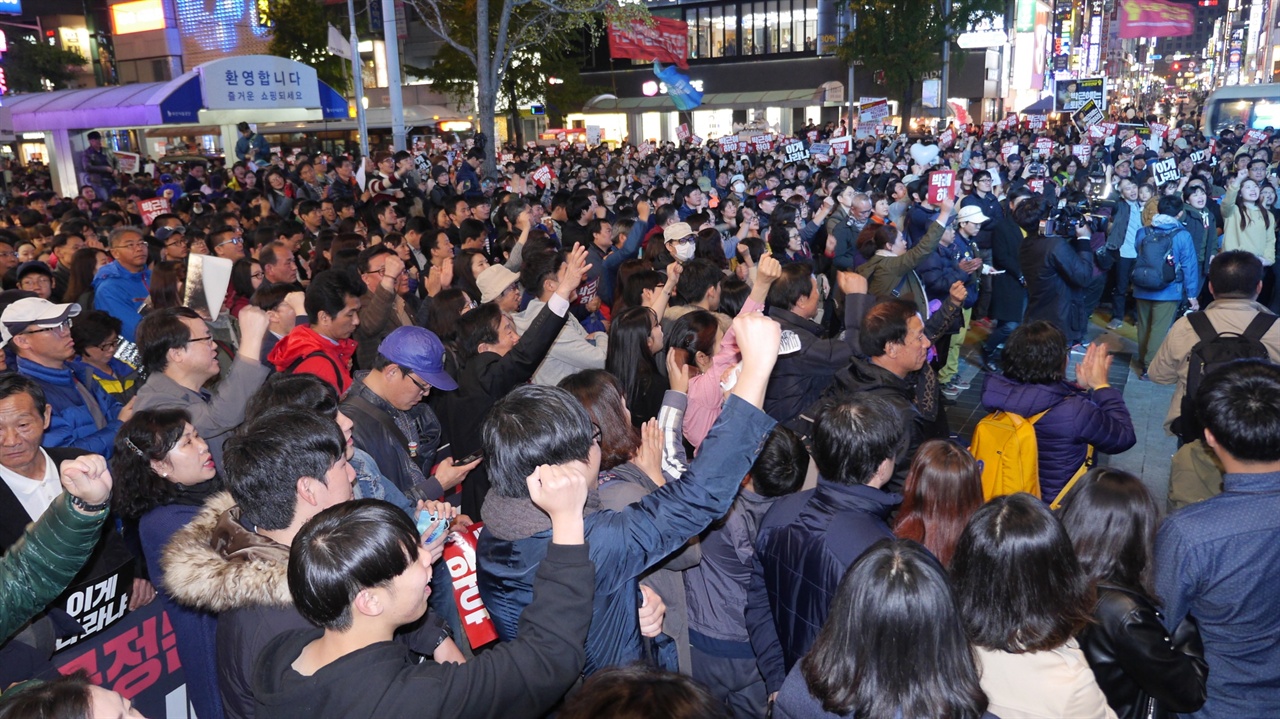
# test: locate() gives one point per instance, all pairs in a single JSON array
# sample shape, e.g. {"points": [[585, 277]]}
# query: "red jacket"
{"points": [[315, 354]]}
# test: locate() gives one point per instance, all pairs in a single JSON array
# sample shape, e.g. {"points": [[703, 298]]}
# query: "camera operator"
{"points": [[1057, 263]]}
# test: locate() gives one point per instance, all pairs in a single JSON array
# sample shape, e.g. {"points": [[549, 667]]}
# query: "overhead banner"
{"points": [[1155, 18], [665, 40], [1071, 94]]}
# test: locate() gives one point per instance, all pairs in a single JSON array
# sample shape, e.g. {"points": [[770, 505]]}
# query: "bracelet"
{"points": [[90, 508]]}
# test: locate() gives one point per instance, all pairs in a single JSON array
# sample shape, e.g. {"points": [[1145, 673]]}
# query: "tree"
{"points": [[491, 34], [36, 66], [300, 31], [904, 38]]}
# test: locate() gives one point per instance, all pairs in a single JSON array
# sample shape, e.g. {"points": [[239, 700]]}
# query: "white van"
{"points": [[1256, 106]]}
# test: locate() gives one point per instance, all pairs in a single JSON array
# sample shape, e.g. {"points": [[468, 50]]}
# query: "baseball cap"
{"points": [[165, 233], [494, 281], [33, 266], [971, 213], [764, 195], [34, 311], [419, 351], [676, 231]]}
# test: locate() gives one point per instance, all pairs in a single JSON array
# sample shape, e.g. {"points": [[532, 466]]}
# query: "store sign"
{"points": [[139, 16], [11, 7], [258, 81]]}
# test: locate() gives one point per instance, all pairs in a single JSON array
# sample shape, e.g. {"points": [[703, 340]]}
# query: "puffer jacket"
{"points": [[71, 424], [41, 564], [1076, 418], [333, 367], [800, 377], [1145, 673], [1187, 282], [120, 293], [625, 544], [806, 543]]}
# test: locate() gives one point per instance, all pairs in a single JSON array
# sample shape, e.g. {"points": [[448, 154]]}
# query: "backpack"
{"points": [[1008, 455], [1212, 351], [1155, 267]]}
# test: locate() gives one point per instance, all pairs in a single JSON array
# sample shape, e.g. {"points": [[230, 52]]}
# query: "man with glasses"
{"points": [[121, 287], [81, 414], [36, 277], [384, 310], [8, 259], [985, 200], [174, 244], [226, 242], [393, 423], [180, 356]]}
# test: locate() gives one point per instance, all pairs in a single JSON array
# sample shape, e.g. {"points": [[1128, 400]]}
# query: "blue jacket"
{"points": [[72, 424], [1184, 254], [120, 293], [625, 544], [1076, 419], [806, 543], [1219, 561], [941, 268]]}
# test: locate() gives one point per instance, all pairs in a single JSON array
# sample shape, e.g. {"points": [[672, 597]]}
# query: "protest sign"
{"points": [[149, 210], [795, 151], [942, 184], [1165, 170]]}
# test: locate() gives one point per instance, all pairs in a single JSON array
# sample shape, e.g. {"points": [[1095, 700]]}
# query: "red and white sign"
{"points": [[840, 145], [987, 127], [947, 138], [942, 185], [1082, 152], [812, 135], [1158, 130], [1036, 184], [1133, 143], [682, 132], [542, 176], [1252, 137], [1111, 128], [729, 143], [651, 38], [1009, 148], [460, 558], [762, 143], [695, 140], [149, 210], [1044, 146], [1037, 122], [1097, 132]]}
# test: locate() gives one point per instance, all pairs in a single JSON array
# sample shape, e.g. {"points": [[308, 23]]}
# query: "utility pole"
{"points": [[946, 62], [392, 41], [357, 77], [853, 102]]}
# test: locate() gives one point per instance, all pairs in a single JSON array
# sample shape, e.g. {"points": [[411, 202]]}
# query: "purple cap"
{"points": [[419, 351]]}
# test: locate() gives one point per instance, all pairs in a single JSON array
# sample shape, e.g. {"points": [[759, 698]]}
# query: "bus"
{"points": [[1257, 107]]}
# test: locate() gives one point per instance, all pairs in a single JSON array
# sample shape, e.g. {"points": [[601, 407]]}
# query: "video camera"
{"points": [[1070, 215]]}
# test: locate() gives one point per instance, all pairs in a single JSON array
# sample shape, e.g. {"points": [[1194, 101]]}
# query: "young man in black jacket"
{"points": [[357, 572]]}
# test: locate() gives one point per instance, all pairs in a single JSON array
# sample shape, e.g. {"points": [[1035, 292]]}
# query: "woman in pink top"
{"points": [[693, 341]]}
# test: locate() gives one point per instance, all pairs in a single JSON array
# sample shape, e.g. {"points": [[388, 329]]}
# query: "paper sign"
{"points": [[1087, 115], [695, 140], [128, 162], [1111, 128], [820, 148], [1133, 143], [1037, 122], [1252, 137], [1082, 152], [207, 280], [947, 138], [987, 127], [1165, 170], [682, 132], [942, 185], [1158, 130], [149, 210], [873, 111], [795, 151], [840, 145], [1009, 148], [542, 176], [1044, 146], [1097, 132], [762, 143], [812, 135], [1036, 184], [1198, 156], [729, 143]]}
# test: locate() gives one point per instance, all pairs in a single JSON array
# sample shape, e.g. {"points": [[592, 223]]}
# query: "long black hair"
{"points": [[893, 644], [147, 437], [1112, 520], [629, 357]]}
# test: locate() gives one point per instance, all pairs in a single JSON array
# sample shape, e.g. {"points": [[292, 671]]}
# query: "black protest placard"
{"points": [[1087, 116], [1165, 170]]}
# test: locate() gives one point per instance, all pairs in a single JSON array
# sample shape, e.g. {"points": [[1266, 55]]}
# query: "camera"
{"points": [[1070, 215], [1038, 169]]}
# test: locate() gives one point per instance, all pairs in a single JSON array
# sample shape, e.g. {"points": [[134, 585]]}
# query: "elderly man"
{"points": [[121, 287]]}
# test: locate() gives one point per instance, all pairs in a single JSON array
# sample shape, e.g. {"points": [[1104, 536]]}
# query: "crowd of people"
{"points": [[683, 411]]}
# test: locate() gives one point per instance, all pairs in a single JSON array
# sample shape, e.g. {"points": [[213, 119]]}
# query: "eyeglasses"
{"points": [[8, 254], [380, 271], [257, 275], [129, 246], [422, 388], [232, 241], [206, 338], [177, 242], [61, 329], [684, 240], [110, 347]]}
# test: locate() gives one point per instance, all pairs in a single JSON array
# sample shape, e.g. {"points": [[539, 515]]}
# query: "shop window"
{"points": [[730, 31]]}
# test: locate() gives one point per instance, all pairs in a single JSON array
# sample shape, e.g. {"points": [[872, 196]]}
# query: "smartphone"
{"points": [[479, 453], [427, 519]]}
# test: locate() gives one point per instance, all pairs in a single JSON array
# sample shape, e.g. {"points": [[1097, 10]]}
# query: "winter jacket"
{"points": [[1144, 672], [800, 377], [1187, 282], [1050, 684], [215, 415], [572, 351], [257, 143], [846, 255], [864, 377], [520, 678], [1120, 226], [1204, 235], [120, 293], [796, 702], [36, 569], [990, 206], [1076, 418], [1008, 290], [625, 544], [333, 367], [890, 275], [381, 312], [485, 379], [1258, 236], [805, 544], [941, 269], [72, 424], [217, 565], [1057, 271], [405, 457]]}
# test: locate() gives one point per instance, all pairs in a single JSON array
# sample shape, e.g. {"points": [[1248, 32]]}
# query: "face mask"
{"points": [[684, 252]]}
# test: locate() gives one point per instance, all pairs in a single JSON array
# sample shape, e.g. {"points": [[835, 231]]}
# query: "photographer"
{"points": [[1057, 268]]}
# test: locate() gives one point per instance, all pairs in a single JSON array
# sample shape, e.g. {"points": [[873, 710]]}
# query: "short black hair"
{"points": [[1239, 403], [302, 391], [532, 425], [343, 550], [1170, 205], [1235, 274], [1036, 353], [266, 457], [328, 293], [12, 383], [885, 324], [470, 229], [161, 331], [269, 295], [477, 327], [782, 464], [538, 268], [367, 255], [853, 435], [697, 277], [93, 328], [796, 282]]}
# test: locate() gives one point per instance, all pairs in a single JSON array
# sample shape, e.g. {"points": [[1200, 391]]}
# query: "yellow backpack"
{"points": [[1008, 456]]}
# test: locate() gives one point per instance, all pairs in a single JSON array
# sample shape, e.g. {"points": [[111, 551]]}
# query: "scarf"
{"points": [[511, 518]]}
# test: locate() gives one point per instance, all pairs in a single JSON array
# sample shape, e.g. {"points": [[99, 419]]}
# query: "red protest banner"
{"points": [[665, 40], [1254, 137], [151, 209], [460, 557], [947, 138], [942, 184], [728, 143]]}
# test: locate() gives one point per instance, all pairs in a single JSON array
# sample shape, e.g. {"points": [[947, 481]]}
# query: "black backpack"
{"points": [[1155, 267], [1212, 351]]}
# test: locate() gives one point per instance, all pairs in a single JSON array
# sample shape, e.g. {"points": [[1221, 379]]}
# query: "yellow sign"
{"points": [[138, 16]]}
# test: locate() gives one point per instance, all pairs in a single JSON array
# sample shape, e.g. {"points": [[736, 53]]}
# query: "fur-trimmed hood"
{"points": [[214, 564]]}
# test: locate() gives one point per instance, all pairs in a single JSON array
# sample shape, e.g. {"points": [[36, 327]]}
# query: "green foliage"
{"points": [[29, 65], [301, 32], [904, 38]]}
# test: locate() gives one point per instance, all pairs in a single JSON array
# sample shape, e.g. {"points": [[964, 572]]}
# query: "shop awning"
{"points": [[414, 115], [712, 101], [138, 105]]}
